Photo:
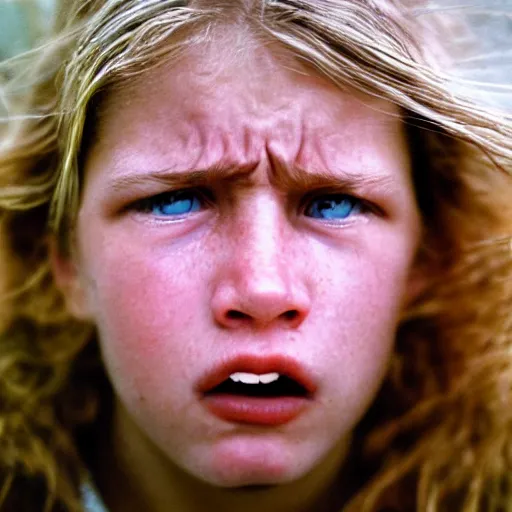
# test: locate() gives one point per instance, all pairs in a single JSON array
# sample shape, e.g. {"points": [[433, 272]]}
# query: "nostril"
{"points": [[290, 315], [233, 314]]}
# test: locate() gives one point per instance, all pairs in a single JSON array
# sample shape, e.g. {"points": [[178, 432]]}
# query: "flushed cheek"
{"points": [[359, 306], [148, 308]]}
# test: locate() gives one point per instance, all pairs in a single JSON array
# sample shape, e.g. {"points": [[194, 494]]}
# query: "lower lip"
{"points": [[254, 410]]}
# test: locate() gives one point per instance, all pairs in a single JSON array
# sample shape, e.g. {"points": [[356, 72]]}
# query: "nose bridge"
{"points": [[260, 242]]}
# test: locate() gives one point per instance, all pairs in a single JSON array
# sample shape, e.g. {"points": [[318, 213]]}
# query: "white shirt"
{"points": [[91, 499]]}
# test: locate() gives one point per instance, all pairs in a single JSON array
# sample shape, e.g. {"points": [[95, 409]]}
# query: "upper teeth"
{"points": [[252, 378]]}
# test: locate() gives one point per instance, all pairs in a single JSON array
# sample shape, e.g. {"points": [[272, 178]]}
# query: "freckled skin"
{"points": [[160, 291]]}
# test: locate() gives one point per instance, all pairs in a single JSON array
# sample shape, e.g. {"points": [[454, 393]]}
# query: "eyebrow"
{"points": [[187, 178], [296, 178], [284, 177]]}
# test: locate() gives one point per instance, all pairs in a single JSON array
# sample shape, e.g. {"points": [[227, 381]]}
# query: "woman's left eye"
{"points": [[333, 207], [171, 204]]}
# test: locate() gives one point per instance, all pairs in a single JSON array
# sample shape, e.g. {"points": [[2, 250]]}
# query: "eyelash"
{"points": [[197, 199]]}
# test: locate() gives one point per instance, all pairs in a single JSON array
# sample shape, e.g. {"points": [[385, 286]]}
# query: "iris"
{"points": [[333, 207], [171, 204]]}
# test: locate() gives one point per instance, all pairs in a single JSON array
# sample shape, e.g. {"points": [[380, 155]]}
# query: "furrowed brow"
{"points": [[188, 178], [284, 177], [296, 178]]}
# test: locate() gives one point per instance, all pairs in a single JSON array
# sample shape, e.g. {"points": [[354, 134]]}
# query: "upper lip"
{"points": [[259, 365]]}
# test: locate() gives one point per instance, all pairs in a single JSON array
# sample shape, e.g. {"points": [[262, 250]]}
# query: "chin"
{"points": [[252, 477], [254, 465]]}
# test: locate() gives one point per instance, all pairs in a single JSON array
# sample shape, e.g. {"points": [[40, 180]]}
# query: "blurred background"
{"points": [[23, 23], [484, 46]]}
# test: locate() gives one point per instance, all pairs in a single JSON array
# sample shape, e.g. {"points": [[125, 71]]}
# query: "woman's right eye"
{"points": [[172, 204]]}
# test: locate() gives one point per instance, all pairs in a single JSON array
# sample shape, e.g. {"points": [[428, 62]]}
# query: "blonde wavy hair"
{"points": [[439, 435]]}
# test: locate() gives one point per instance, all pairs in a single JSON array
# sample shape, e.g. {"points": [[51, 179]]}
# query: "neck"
{"points": [[133, 475]]}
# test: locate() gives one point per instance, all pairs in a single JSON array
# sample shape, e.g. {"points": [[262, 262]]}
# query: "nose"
{"points": [[261, 283]]}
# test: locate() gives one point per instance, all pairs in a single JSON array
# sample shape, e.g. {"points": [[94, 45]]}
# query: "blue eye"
{"points": [[171, 204], [333, 207]]}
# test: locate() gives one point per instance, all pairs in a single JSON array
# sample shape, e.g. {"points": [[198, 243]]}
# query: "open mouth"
{"points": [[270, 385], [264, 391]]}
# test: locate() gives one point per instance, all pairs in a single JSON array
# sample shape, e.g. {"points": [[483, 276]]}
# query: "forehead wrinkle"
{"points": [[237, 145], [230, 138]]}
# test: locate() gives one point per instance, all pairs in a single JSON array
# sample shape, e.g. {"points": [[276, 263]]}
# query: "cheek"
{"points": [[359, 299], [149, 309]]}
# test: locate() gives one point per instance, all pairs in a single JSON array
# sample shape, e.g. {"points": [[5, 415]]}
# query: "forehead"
{"points": [[235, 97], [236, 62]]}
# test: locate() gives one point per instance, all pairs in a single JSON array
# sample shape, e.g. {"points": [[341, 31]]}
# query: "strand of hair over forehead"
{"points": [[392, 66], [104, 51]]}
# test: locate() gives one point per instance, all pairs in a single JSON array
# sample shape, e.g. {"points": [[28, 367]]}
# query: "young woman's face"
{"points": [[240, 217]]}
